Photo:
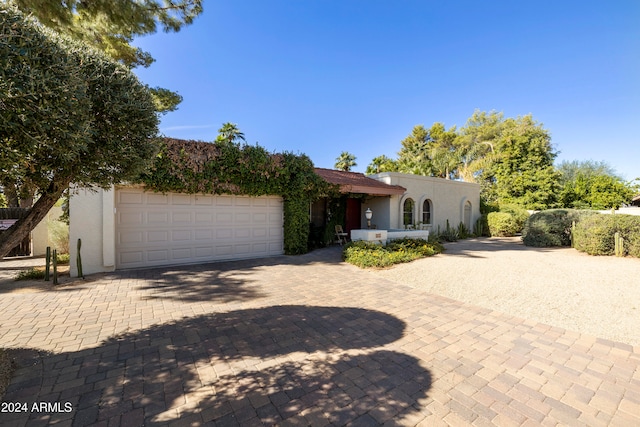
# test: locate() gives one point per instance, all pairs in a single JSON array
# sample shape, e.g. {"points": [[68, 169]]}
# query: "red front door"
{"points": [[353, 216]]}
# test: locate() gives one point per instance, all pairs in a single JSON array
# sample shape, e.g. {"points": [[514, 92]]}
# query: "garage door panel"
{"points": [[180, 199], [157, 236], [130, 197], [162, 229], [157, 199]]}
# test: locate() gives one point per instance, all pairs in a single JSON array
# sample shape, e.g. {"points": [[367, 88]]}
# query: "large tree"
{"points": [[429, 152], [111, 26], [382, 164], [592, 185], [524, 170], [68, 114]]}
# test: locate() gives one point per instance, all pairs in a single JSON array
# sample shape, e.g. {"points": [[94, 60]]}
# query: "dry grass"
{"points": [[6, 369]]}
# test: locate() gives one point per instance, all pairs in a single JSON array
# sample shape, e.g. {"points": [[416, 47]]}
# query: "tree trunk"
{"points": [[21, 229]]}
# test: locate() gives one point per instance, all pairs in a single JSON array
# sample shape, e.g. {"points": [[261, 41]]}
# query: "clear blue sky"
{"points": [[322, 77]]}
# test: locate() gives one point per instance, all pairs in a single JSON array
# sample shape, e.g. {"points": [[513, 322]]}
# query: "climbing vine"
{"points": [[228, 168]]}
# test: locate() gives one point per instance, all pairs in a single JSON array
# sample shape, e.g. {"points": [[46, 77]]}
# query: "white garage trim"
{"points": [[153, 229]]}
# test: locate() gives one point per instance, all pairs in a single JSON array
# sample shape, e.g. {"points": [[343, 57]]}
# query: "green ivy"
{"points": [[228, 168]]}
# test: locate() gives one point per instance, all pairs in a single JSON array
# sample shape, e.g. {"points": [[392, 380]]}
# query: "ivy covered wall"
{"points": [[229, 168]]}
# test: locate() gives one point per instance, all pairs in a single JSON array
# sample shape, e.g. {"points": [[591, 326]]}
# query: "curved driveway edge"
{"points": [[304, 340]]}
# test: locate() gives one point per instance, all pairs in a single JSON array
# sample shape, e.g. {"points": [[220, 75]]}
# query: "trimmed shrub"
{"points": [[595, 235], [552, 227], [502, 224], [367, 254], [520, 213]]}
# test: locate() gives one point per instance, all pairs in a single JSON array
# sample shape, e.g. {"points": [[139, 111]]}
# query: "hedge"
{"points": [[595, 234], [552, 227], [503, 224]]}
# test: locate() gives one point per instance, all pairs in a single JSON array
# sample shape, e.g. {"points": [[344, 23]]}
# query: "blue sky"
{"points": [[322, 77]]}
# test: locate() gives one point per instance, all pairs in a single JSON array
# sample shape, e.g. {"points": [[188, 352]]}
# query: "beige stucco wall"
{"points": [[92, 219], [40, 234], [447, 197]]}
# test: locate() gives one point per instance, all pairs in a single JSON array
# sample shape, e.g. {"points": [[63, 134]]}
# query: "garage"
{"points": [[154, 229]]}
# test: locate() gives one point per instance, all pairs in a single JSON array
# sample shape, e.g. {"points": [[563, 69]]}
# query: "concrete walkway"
{"points": [[302, 340]]}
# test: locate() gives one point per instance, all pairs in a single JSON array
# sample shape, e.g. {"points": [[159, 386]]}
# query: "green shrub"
{"points": [[520, 215], [448, 235], [502, 224], [552, 227], [595, 235], [367, 254], [63, 259], [31, 274], [481, 227]]}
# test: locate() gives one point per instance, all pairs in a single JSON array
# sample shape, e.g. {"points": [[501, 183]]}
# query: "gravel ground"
{"points": [[599, 296]]}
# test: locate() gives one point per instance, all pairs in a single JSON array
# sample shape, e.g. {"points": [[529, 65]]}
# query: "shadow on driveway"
{"points": [[224, 282], [261, 365]]}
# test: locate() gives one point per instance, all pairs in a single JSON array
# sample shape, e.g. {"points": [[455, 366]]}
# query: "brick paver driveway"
{"points": [[297, 341]]}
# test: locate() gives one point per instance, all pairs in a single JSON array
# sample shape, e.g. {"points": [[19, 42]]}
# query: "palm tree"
{"points": [[345, 161], [229, 132], [381, 164]]}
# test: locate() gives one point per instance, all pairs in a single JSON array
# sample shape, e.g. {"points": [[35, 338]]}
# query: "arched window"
{"points": [[426, 212], [407, 217]]}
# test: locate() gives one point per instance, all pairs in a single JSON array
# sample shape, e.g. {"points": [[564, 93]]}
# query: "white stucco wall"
{"points": [[40, 234], [447, 197], [92, 219]]}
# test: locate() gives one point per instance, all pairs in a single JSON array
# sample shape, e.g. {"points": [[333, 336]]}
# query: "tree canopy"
{"points": [[592, 185], [111, 26], [512, 159], [69, 114], [345, 161]]}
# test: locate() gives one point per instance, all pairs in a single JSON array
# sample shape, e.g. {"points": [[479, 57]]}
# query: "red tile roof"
{"points": [[355, 182]]}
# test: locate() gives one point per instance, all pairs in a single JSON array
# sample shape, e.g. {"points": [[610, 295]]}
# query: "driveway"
{"points": [[304, 340]]}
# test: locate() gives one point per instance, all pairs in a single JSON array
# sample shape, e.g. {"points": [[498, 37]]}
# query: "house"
{"points": [[399, 200], [126, 227], [635, 201]]}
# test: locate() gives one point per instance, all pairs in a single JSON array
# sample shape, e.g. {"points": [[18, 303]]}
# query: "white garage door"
{"points": [[162, 229]]}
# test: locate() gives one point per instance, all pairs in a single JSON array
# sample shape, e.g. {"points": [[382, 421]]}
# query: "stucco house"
{"points": [[126, 227], [400, 200]]}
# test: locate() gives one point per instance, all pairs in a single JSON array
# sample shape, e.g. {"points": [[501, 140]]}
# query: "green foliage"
{"points": [[592, 185], [462, 231], [552, 227], [595, 235], [524, 169], [481, 227], [381, 164], [337, 212], [111, 25], [367, 254], [31, 274], [503, 224], [3, 201], [429, 152], [69, 114], [228, 168], [520, 214], [448, 235], [345, 161], [63, 259]]}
